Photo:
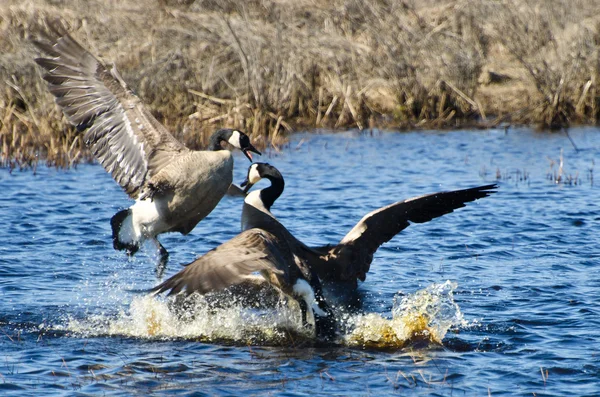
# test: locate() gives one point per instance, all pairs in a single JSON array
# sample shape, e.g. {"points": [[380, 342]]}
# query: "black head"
{"points": [[258, 171], [237, 139]]}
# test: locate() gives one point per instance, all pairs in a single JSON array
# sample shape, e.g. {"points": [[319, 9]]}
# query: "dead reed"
{"points": [[560, 176], [272, 66]]}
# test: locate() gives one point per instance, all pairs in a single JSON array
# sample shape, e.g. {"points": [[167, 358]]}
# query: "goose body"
{"points": [[181, 206], [350, 259], [174, 187], [272, 254], [267, 247]]}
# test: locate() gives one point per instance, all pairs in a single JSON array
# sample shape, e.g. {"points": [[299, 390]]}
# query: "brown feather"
{"points": [[351, 258], [229, 264], [124, 136]]}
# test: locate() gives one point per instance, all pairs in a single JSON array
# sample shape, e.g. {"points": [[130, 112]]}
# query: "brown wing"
{"points": [[127, 140], [379, 226], [229, 264], [351, 258]]}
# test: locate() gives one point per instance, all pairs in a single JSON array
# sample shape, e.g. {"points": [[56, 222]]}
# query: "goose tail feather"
{"points": [[123, 235]]}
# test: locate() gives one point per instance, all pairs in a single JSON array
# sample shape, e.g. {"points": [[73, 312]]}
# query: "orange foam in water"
{"points": [[423, 316]]}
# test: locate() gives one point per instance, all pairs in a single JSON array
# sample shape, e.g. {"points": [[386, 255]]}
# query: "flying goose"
{"points": [[350, 259], [269, 253], [174, 187]]}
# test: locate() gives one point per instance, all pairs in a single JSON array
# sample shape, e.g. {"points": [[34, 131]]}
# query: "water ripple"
{"points": [[525, 261]]}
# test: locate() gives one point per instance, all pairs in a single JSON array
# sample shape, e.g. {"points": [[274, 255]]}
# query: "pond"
{"points": [[510, 283]]}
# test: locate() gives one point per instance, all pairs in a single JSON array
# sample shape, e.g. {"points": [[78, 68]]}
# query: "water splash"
{"points": [[425, 315], [197, 318]]}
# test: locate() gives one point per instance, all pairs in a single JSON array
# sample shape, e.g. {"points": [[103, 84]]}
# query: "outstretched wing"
{"points": [[230, 263], [127, 140], [381, 225]]}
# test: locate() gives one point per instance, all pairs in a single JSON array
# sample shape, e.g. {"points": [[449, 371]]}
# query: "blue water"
{"points": [[525, 262]]}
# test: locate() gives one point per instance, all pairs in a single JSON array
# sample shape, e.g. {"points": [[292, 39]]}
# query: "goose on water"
{"points": [[350, 259], [267, 247], [272, 254], [174, 187]]}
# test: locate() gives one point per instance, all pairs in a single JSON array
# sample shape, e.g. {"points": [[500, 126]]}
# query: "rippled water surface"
{"points": [[498, 298]]}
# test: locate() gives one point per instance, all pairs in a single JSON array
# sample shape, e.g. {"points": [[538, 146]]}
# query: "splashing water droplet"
{"points": [[429, 312], [195, 318], [426, 315]]}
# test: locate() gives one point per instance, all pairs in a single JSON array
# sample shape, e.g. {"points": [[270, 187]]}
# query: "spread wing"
{"points": [[125, 138], [381, 225], [230, 263]]}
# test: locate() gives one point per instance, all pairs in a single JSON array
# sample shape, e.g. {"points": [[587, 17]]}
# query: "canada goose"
{"points": [[270, 253], [174, 187], [350, 259]]}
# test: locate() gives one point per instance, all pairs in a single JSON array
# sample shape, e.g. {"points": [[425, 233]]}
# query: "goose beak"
{"points": [[249, 149], [246, 185]]}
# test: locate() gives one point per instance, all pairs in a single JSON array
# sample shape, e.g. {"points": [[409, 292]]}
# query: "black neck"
{"points": [[270, 194], [215, 140]]}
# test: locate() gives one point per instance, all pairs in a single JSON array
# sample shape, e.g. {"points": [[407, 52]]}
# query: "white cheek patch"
{"points": [[253, 174], [234, 139]]}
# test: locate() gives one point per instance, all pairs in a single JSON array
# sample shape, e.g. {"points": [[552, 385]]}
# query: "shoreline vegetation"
{"points": [[274, 66]]}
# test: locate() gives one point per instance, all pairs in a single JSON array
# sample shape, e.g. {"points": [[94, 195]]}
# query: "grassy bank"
{"points": [[272, 66]]}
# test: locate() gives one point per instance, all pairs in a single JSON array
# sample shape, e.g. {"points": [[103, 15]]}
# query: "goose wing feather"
{"points": [[230, 263], [381, 225], [123, 135]]}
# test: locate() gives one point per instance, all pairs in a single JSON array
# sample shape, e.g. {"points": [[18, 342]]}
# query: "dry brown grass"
{"points": [[271, 66]]}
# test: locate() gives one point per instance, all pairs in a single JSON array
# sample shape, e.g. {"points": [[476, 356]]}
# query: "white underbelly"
{"points": [[144, 222]]}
